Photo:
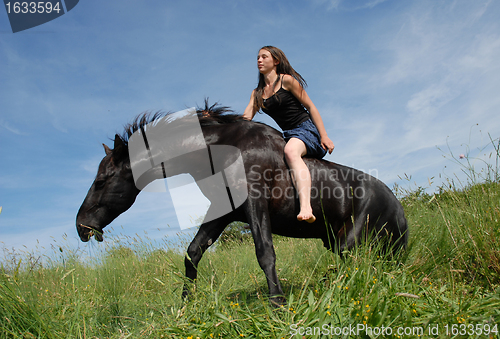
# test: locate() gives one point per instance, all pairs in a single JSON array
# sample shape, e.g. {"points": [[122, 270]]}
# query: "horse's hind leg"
{"points": [[206, 236]]}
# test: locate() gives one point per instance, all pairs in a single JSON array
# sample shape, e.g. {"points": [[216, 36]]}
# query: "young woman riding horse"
{"points": [[280, 93]]}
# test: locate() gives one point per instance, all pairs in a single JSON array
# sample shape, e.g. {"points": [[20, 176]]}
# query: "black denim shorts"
{"points": [[309, 134]]}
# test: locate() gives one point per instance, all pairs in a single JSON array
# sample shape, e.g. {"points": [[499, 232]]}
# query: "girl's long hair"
{"points": [[283, 67]]}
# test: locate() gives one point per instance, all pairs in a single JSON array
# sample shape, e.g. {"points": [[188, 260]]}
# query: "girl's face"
{"points": [[265, 61]]}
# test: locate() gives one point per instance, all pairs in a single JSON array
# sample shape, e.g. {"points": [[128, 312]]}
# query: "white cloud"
{"points": [[441, 54], [347, 5], [10, 128], [369, 4]]}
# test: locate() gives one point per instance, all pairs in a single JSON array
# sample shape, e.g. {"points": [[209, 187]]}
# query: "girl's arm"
{"points": [[250, 110], [293, 86]]}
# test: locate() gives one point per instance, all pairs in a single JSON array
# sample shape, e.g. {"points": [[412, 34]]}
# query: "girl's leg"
{"points": [[295, 149]]}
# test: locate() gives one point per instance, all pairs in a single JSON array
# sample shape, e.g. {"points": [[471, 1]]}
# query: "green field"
{"points": [[445, 285]]}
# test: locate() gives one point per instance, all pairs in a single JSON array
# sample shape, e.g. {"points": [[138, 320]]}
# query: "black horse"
{"points": [[348, 203]]}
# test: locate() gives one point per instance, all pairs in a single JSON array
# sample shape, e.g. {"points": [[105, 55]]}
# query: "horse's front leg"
{"points": [[258, 218], [206, 236]]}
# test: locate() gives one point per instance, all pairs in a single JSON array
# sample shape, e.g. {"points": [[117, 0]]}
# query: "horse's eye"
{"points": [[100, 184]]}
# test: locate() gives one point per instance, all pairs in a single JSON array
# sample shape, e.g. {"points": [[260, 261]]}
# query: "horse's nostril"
{"points": [[88, 232]]}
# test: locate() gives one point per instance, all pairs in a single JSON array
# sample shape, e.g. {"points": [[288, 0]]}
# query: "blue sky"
{"points": [[393, 80]]}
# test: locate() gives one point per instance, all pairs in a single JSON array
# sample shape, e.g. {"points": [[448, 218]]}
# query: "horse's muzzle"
{"points": [[87, 232]]}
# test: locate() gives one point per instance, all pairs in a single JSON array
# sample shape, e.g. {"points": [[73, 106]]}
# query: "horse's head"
{"points": [[112, 192]]}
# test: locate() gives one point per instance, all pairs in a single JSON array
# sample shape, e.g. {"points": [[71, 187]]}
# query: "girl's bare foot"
{"points": [[309, 217]]}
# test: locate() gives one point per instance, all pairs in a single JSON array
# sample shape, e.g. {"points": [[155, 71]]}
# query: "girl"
{"points": [[280, 93]]}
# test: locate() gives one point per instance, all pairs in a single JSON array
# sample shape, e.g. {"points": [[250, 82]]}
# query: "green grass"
{"points": [[445, 285]]}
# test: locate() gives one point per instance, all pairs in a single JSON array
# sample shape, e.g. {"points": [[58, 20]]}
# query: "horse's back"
{"points": [[340, 195]]}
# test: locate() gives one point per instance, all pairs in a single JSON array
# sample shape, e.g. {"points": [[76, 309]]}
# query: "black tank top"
{"points": [[285, 109]]}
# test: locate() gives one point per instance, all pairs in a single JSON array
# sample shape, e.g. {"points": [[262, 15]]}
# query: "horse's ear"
{"points": [[120, 148], [107, 149]]}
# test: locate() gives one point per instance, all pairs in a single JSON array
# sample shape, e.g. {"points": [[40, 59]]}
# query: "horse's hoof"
{"points": [[278, 302]]}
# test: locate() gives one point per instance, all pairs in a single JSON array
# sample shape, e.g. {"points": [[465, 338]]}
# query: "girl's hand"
{"points": [[327, 144]]}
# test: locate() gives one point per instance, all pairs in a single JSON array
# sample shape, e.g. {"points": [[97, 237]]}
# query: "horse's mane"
{"points": [[208, 115]]}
